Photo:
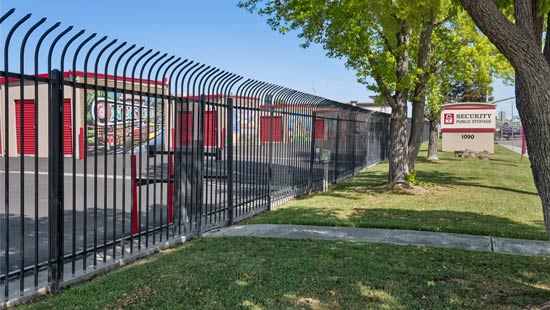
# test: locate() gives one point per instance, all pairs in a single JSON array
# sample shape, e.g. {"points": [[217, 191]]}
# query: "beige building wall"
{"points": [[42, 116]]}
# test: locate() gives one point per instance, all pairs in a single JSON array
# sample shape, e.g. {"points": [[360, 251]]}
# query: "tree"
{"points": [[464, 64], [520, 39], [380, 40], [469, 92]]}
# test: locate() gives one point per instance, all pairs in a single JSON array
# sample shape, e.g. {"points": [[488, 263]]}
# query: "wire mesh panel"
{"points": [[110, 151]]}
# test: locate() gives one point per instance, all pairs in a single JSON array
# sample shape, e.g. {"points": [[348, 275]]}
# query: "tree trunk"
{"points": [[432, 143], [398, 143], [532, 98], [419, 98], [521, 44], [417, 130], [398, 120]]}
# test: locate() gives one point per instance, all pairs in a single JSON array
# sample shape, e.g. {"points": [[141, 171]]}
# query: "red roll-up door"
{"points": [[27, 129], [319, 129], [210, 128], [264, 129], [184, 129], [67, 128], [277, 128]]}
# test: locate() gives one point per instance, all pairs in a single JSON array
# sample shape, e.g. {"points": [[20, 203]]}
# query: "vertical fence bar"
{"points": [[337, 148], [56, 180], [229, 146], [270, 155], [200, 172], [354, 141], [312, 151]]}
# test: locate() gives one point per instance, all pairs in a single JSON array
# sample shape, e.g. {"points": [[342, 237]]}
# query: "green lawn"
{"points": [[249, 273], [496, 198]]}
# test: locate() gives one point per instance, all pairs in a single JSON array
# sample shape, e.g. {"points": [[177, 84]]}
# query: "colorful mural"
{"points": [[245, 127], [299, 127], [141, 112]]}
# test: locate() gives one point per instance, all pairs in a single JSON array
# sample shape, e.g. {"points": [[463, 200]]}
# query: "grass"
{"points": [[495, 198], [253, 274]]}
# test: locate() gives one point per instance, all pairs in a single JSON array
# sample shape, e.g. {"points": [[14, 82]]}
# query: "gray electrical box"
{"points": [[324, 155]]}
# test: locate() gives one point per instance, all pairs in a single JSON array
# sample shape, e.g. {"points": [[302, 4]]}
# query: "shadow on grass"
{"points": [[438, 221], [450, 180], [373, 181]]}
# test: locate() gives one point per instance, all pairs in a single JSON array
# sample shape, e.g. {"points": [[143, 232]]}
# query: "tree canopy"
{"points": [[390, 46]]}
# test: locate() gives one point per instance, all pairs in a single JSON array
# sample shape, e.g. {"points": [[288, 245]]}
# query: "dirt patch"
{"points": [[127, 300], [544, 306], [309, 303]]}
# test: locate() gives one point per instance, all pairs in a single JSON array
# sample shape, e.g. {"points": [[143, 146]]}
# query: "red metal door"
{"points": [[319, 129], [184, 129], [210, 128], [28, 130], [67, 128], [277, 128], [264, 129]]}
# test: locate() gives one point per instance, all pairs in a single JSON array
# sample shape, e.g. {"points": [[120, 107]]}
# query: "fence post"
{"points": [[336, 149], [55, 187], [368, 125], [312, 151], [200, 176], [353, 146], [270, 166], [229, 148]]}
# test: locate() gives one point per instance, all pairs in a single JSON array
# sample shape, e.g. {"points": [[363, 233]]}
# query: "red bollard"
{"points": [[523, 144], [81, 140]]}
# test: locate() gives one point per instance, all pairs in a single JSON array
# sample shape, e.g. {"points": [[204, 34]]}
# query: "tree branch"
{"points": [[444, 20], [384, 90], [528, 19], [387, 42], [423, 58], [513, 42], [402, 62]]}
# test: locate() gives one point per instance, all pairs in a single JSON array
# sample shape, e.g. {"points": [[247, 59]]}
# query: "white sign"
{"points": [[465, 118]]}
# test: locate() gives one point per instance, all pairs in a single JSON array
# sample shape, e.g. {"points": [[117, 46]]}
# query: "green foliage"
{"points": [[462, 55], [411, 178], [364, 33]]}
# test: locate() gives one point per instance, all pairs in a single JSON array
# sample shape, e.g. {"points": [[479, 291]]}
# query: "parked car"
{"points": [[509, 132]]}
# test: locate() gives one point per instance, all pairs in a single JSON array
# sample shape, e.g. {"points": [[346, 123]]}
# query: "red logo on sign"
{"points": [[449, 119]]}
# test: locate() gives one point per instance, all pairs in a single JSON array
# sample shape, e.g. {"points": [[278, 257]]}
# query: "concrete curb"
{"points": [[389, 236]]}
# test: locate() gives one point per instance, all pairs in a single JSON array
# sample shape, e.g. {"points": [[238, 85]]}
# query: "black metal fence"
{"points": [[110, 150]]}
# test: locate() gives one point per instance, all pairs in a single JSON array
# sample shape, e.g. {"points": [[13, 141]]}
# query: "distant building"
{"points": [[377, 107]]}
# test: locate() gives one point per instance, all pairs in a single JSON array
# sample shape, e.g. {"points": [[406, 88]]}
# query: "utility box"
{"points": [[324, 155], [468, 126]]}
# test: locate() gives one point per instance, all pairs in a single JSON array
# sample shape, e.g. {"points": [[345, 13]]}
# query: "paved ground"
{"points": [[390, 236], [100, 195], [512, 144]]}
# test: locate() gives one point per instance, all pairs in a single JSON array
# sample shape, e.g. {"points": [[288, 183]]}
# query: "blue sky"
{"points": [[217, 33]]}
